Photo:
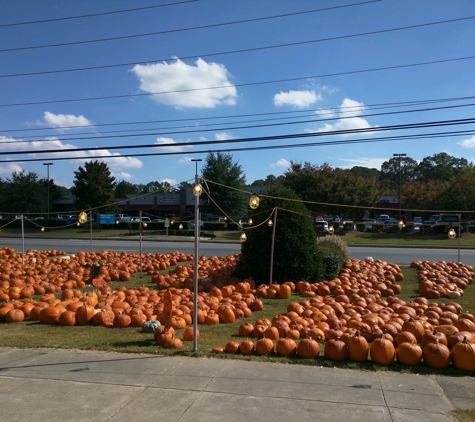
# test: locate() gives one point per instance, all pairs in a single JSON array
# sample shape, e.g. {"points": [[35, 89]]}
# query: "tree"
{"points": [[123, 188], [440, 166], [332, 191], [460, 195], [226, 181], [24, 193], [366, 172], [94, 187], [268, 181], [420, 195], [389, 177], [295, 248]]}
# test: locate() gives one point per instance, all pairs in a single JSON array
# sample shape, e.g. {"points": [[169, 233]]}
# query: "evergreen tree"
{"points": [[94, 187]]}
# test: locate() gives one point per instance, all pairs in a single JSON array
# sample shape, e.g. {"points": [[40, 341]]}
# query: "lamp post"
{"points": [[197, 190], [399, 195], [47, 166]]}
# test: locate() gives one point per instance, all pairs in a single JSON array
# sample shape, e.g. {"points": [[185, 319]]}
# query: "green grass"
{"points": [[464, 415]]}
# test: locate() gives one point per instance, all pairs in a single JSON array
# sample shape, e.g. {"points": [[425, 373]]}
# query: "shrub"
{"points": [[296, 255], [334, 253]]}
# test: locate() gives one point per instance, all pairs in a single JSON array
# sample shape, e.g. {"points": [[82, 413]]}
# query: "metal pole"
{"points": [[90, 229], [195, 272], [399, 195], [140, 238], [22, 244], [272, 247], [460, 223], [47, 166]]}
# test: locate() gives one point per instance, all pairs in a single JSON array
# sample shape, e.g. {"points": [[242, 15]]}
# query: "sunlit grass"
{"points": [[464, 415]]}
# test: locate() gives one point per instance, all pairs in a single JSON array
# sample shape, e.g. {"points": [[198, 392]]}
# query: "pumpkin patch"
{"points": [[355, 316]]}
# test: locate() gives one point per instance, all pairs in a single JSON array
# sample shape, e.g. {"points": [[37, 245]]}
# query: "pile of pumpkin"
{"points": [[352, 320], [125, 307], [51, 271], [443, 279]]}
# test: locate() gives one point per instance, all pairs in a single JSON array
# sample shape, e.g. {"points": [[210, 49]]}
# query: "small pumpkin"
{"points": [[150, 326]]}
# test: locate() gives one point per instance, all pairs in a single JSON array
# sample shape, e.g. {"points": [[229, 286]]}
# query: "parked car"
{"points": [[389, 224], [137, 219], [417, 224], [369, 224], [122, 217], [158, 220], [35, 218], [321, 226], [200, 223]]}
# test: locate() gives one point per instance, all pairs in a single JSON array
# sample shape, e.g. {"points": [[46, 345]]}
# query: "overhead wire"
{"points": [[325, 75], [130, 133], [242, 149], [262, 138], [91, 15], [170, 31], [329, 110], [239, 51]]}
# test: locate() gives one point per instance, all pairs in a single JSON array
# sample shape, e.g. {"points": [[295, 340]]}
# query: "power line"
{"points": [[128, 133], [113, 12], [406, 126], [240, 51], [325, 75], [193, 28], [274, 113], [258, 148]]}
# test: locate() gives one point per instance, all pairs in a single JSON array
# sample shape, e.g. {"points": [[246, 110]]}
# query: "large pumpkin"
{"points": [[358, 348], [409, 354], [382, 351], [308, 348], [436, 355], [463, 355]]}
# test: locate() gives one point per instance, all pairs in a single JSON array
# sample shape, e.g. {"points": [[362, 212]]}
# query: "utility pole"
{"points": [[47, 166], [399, 195]]}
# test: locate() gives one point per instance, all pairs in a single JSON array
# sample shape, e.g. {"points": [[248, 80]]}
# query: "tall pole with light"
{"points": [[197, 191], [47, 166], [399, 195]]}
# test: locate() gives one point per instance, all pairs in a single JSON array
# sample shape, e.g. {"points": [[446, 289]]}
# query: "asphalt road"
{"points": [[396, 255]]}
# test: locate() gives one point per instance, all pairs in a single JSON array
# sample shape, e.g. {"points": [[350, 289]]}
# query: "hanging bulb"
{"points": [[180, 226], [197, 189], [254, 202], [250, 221], [269, 222], [82, 218], [42, 229], [243, 237]]}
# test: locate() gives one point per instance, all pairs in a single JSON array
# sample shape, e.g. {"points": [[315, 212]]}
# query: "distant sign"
{"points": [[106, 219], [167, 222], [168, 201]]}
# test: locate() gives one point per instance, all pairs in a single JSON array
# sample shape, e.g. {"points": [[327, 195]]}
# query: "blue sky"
{"points": [[290, 69]]}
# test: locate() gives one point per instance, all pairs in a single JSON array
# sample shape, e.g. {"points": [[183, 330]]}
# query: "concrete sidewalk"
{"points": [[63, 385]]}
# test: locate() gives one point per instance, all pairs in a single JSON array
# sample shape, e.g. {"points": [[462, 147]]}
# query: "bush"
{"points": [[334, 253], [296, 255]]}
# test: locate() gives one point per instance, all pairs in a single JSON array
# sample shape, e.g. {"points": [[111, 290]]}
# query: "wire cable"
{"points": [[129, 133], [325, 75], [258, 148], [90, 15], [275, 113], [194, 28], [240, 51]]}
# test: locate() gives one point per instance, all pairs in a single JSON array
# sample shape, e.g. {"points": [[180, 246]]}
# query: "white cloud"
{"points": [[113, 159], [198, 81], [169, 144], [186, 160], [468, 143], [65, 121], [121, 175], [363, 162], [325, 112], [171, 182], [296, 98], [223, 136], [9, 169], [347, 110], [281, 163]]}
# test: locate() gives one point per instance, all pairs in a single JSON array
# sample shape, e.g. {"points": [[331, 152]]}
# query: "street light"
{"points": [[47, 166], [399, 196], [197, 190]]}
